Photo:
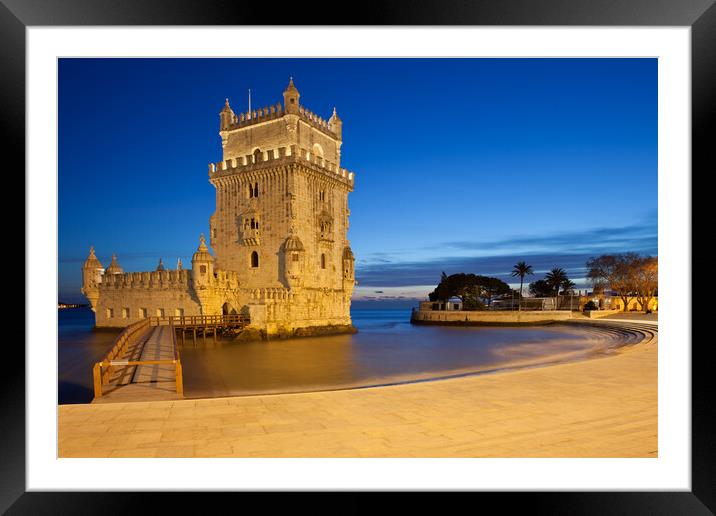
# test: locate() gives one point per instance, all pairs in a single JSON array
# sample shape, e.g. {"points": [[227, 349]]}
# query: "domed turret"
{"points": [[293, 261], [226, 116], [290, 98], [91, 278], [293, 243], [92, 263], [114, 267], [202, 265], [348, 268], [160, 267], [335, 124]]}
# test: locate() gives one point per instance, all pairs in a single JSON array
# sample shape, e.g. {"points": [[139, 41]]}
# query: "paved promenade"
{"points": [[606, 407]]}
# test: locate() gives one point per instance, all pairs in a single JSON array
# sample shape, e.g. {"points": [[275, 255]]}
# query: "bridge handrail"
{"points": [[199, 320], [102, 369]]}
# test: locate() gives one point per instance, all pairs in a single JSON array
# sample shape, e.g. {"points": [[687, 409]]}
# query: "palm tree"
{"points": [[568, 286], [556, 278], [521, 269]]}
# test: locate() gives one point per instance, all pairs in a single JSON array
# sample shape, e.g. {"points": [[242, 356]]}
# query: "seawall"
{"points": [[488, 318]]}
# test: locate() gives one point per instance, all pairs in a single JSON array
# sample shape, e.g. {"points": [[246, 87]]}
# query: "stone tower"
{"points": [[281, 217], [279, 233]]}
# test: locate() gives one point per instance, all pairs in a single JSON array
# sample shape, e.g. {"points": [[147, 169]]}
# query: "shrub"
{"points": [[591, 305]]}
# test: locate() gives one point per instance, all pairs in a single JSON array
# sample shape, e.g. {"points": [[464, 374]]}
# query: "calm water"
{"points": [[387, 349]]}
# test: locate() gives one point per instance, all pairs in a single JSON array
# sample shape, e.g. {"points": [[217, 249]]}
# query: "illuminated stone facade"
{"points": [[279, 232]]}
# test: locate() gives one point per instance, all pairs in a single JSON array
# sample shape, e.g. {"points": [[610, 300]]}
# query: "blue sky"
{"points": [[462, 165]]}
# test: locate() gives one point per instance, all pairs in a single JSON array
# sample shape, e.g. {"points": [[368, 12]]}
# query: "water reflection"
{"points": [[79, 347], [387, 349]]}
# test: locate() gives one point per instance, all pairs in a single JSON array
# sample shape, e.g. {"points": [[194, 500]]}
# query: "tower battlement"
{"points": [[277, 126], [276, 111], [276, 157]]}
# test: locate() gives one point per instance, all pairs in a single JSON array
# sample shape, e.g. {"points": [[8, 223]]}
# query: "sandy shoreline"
{"points": [[602, 407]]}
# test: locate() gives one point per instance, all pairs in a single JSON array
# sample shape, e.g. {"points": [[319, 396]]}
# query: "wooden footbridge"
{"points": [[144, 363]]}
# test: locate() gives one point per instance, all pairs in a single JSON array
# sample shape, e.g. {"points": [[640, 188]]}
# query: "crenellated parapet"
{"points": [[163, 279], [274, 112], [146, 280], [278, 156], [318, 122], [166, 279], [255, 116]]}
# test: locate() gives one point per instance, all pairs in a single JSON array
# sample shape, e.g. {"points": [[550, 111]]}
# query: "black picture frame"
{"points": [[700, 15]]}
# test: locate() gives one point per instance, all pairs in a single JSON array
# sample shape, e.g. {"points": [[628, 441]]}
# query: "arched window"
{"points": [[254, 259], [257, 156], [323, 261], [256, 189]]}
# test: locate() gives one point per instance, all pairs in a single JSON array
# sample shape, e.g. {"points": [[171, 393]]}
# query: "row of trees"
{"points": [[473, 289], [630, 274], [554, 281]]}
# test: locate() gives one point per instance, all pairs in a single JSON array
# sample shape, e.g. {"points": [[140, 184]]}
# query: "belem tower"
{"points": [[279, 231]]}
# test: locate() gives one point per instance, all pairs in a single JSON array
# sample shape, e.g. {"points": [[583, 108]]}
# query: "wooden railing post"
{"points": [[179, 380], [97, 380]]}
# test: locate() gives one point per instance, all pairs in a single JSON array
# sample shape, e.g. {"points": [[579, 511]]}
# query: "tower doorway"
{"points": [[227, 309]]}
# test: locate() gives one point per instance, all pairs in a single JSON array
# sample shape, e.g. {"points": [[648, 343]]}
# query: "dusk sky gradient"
{"points": [[462, 165]]}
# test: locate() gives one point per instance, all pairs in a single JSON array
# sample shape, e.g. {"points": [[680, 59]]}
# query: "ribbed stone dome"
{"points": [[293, 243], [348, 254], [92, 262], [114, 267], [202, 253]]}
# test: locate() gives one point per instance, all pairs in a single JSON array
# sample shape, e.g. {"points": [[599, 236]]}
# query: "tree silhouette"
{"points": [[521, 269], [555, 279]]}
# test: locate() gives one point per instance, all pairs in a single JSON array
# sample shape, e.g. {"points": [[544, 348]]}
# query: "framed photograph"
{"points": [[418, 252]]}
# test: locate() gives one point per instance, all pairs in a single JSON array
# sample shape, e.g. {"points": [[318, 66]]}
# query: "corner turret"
{"points": [[202, 266], [335, 124], [348, 270], [226, 116], [293, 261], [290, 98], [114, 267], [92, 271]]}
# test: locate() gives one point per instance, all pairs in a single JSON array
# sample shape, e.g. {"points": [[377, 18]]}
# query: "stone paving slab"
{"points": [[604, 407]]}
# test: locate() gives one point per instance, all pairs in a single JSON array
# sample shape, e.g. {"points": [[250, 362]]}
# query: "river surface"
{"points": [[387, 349]]}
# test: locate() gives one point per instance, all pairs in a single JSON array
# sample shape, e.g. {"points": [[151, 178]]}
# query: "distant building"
{"points": [[612, 301], [454, 303], [633, 304], [279, 232]]}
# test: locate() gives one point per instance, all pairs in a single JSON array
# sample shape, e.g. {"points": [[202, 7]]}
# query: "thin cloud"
{"points": [[634, 236], [428, 272]]}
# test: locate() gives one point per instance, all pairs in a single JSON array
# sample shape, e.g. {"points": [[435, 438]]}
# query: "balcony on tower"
{"points": [[250, 232]]}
